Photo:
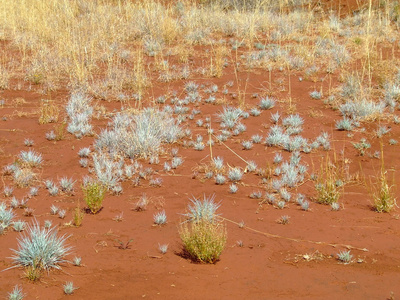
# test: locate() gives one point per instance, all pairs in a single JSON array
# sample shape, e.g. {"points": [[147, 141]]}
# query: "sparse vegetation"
{"points": [[277, 107]]}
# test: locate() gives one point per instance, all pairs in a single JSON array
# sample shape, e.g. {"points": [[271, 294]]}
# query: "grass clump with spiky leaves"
{"points": [[40, 249], [16, 294], [6, 216], [69, 288], [344, 256], [203, 210]]}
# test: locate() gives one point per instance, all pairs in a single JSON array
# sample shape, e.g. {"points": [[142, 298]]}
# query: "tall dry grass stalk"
{"points": [[101, 45], [381, 191], [49, 112], [329, 185]]}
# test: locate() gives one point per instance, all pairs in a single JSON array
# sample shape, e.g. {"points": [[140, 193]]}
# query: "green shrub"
{"points": [[93, 193], [203, 241]]}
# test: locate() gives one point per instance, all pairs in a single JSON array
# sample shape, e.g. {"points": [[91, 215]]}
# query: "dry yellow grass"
{"points": [[102, 45]]}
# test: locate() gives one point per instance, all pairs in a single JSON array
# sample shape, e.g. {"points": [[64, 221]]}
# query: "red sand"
{"points": [[292, 261]]}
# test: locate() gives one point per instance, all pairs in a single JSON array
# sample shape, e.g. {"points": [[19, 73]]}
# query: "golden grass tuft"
{"points": [[329, 184], [49, 112], [381, 192], [203, 241], [94, 193]]}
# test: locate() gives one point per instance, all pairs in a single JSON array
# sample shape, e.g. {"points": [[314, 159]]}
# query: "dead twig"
{"points": [[350, 247]]}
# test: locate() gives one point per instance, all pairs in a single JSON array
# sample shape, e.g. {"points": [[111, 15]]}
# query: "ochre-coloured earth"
{"points": [[262, 259]]}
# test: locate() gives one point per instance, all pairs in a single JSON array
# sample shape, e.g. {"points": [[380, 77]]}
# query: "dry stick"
{"points": [[230, 149], [297, 240], [367, 43], [210, 140]]}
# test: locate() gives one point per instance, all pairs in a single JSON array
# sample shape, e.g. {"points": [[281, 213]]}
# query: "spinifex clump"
{"points": [[40, 249], [203, 235]]}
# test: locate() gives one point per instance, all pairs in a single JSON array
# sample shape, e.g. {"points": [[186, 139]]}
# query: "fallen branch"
{"points": [[350, 247]]}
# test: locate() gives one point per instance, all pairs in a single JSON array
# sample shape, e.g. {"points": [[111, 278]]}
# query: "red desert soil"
{"points": [[275, 261]]}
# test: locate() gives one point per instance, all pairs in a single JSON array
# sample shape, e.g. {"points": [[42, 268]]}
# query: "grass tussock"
{"points": [[93, 195], [49, 112], [329, 185], [203, 241], [382, 192], [78, 216], [40, 249]]}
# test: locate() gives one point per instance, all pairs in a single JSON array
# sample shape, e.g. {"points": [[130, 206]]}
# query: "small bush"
{"points": [[93, 194], [283, 220], [233, 188], [79, 111], [24, 177], [203, 241], [19, 225], [218, 163], [362, 146], [8, 191], [247, 145], [335, 206]]}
